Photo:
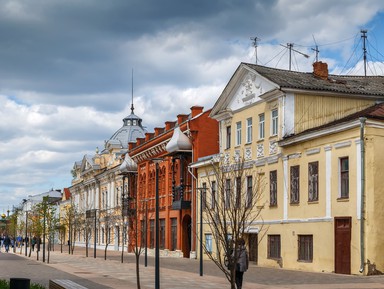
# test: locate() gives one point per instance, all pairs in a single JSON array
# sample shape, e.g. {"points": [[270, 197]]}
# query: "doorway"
{"points": [[343, 229], [186, 238], [253, 248]]}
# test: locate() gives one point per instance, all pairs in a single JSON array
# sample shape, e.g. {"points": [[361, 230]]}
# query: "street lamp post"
{"points": [[157, 229], [26, 232], [201, 230], [157, 252], [94, 238], [146, 234]]}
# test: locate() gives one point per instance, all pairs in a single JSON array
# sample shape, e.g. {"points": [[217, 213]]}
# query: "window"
{"points": [[204, 196], [173, 234], [227, 193], [143, 232], [238, 192], [162, 233], [305, 248], [249, 130], [228, 140], [238, 133], [249, 191], [344, 178], [273, 188], [214, 192], [274, 122], [295, 184], [261, 126], [313, 181], [208, 242], [274, 247]]}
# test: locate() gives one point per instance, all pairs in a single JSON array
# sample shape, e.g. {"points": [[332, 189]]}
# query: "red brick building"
{"points": [[175, 146]]}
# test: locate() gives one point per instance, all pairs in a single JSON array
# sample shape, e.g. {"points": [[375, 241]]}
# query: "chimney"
{"points": [[320, 70], [181, 118], [195, 110], [148, 136], [140, 141], [169, 125], [158, 130]]}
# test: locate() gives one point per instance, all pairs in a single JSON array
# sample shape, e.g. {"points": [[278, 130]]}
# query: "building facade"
{"points": [[163, 157], [315, 140]]}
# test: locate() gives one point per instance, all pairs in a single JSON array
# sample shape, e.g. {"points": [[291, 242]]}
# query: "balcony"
{"points": [[181, 198]]}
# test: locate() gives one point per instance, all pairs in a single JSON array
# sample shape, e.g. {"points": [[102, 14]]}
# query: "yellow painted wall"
{"points": [[312, 111]]}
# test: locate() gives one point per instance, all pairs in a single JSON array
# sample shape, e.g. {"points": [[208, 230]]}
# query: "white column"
{"points": [[358, 179], [328, 183], [285, 186]]}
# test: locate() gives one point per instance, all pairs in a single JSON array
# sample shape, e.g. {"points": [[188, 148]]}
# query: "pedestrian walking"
{"points": [[34, 240], [7, 242], [242, 262]]}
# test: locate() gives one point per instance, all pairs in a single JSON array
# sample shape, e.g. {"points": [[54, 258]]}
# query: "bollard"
{"points": [[19, 283]]}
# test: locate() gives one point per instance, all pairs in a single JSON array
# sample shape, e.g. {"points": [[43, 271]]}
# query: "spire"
{"points": [[132, 108]]}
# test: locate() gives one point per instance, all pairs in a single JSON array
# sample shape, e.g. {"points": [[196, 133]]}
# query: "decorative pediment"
{"points": [[249, 91], [246, 87]]}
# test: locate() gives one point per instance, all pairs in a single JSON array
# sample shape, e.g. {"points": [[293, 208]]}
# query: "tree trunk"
{"points": [[138, 271]]}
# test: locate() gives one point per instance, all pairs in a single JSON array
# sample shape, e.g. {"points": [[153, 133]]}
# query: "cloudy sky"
{"points": [[66, 67]]}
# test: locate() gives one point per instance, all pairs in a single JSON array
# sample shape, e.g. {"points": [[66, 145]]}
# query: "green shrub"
{"points": [[4, 284]]}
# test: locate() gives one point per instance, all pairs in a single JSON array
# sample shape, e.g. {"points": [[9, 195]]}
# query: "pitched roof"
{"points": [[361, 85]]}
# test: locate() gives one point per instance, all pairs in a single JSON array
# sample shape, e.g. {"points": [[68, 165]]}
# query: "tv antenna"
{"points": [[316, 49], [290, 47], [364, 36], [254, 43]]}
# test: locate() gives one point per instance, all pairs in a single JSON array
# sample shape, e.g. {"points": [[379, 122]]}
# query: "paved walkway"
{"points": [[175, 273]]}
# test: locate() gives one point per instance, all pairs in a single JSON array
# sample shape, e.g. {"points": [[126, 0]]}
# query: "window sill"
{"points": [[274, 258], [305, 261], [295, 204], [273, 206], [313, 202], [345, 199]]}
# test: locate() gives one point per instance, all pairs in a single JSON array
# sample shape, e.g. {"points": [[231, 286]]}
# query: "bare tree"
{"points": [[231, 201], [109, 220]]}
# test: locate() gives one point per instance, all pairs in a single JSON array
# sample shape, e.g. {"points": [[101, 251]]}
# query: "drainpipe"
{"points": [[362, 153]]}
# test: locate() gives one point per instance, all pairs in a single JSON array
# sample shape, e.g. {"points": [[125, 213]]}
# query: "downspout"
{"points": [[362, 153]]}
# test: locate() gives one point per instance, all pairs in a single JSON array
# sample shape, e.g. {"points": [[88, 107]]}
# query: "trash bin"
{"points": [[19, 283]]}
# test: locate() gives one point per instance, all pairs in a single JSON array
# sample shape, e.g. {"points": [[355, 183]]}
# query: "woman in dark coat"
{"points": [[242, 263], [7, 242]]}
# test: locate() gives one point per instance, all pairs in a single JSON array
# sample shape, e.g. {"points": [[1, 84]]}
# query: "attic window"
{"points": [[134, 122], [129, 122]]}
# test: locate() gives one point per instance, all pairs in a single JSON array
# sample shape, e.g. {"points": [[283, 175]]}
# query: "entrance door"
{"points": [[186, 246], [253, 247], [343, 228]]}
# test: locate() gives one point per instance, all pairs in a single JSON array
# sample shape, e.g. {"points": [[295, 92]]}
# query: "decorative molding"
{"points": [[260, 150], [312, 151], [343, 144], [272, 147], [260, 162]]}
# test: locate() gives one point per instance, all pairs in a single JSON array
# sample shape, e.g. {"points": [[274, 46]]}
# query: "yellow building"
{"points": [[316, 139]]}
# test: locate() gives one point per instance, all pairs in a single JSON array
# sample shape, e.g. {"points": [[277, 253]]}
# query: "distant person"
{"points": [[7, 242], [33, 242], [242, 262]]}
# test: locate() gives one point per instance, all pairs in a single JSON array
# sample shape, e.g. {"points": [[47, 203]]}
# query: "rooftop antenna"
{"points": [[290, 47], [132, 108], [254, 43], [364, 36], [316, 49]]}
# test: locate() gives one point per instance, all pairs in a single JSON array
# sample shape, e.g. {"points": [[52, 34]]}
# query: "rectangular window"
{"points": [[238, 192], [227, 193], [238, 133], [249, 191], [214, 192], [204, 196], [274, 122], [274, 247], [295, 184], [313, 181], [305, 248], [344, 178], [208, 242], [162, 233], [261, 126], [228, 137], [249, 130], [143, 231], [273, 188], [173, 234], [152, 234]]}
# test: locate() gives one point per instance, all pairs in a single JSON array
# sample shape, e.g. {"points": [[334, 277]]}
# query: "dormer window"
{"points": [[134, 122], [129, 122]]}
